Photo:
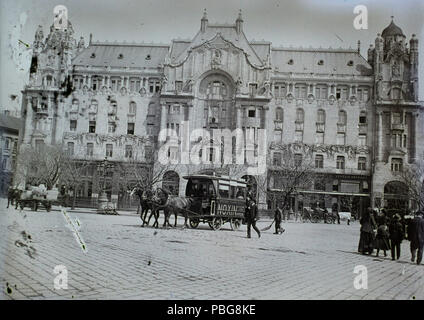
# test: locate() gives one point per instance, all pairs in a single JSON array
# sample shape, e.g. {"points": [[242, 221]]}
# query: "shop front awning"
{"points": [[330, 193]]}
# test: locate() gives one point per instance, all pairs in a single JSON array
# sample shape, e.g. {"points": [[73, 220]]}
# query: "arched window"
{"points": [[132, 108], [342, 117], [75, 105], [151, 110], [320, 124], [279, 114], [300, 115], [321, 116], [48, 80]]}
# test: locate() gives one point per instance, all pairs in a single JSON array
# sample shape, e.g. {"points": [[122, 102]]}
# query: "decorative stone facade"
{"points": [[330, 103]]}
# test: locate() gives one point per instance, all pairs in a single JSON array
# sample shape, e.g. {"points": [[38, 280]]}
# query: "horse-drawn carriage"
{"points": [[318, 214], [210, 199], [216, 201], [35, 197]]}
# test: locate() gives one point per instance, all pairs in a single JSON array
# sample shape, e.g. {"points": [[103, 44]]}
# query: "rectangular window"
{"points": [[111, 127], [396, 118], [341, 139], [130, 129], [7, 143], [340, 162], [362, 163], [321, 92], [319, 137], [90, 149], [251, 113], [396, 164], [92, 127], [148, 153], [362, 141], [362, 119], [109, 150], [150, 129], [39, 143], [178, 86], [298, 136], [70, 148], [298, 159], [253, 87], [276, 159], [300, 91], [128, 151], [338, 93], [73, 125], [319, 161]]}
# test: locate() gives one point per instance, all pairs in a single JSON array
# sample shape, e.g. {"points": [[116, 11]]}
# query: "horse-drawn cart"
{"points": [[36, 197], [216, 201]]}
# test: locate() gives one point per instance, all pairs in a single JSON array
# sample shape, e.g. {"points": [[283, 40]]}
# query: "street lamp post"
{"points": [[103, 200]]}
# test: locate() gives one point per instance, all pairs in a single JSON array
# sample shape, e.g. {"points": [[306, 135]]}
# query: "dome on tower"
{"points": [[392, 30]]}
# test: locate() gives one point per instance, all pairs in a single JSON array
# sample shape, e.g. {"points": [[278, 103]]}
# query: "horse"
{"points": [[173, 205], [146, 203], [13, 196]]}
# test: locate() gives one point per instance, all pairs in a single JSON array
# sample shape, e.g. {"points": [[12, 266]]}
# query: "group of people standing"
{"points": [[380, 232]]}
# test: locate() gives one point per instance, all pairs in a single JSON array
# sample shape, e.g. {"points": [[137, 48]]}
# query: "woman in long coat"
{"points": [[367, 238]]}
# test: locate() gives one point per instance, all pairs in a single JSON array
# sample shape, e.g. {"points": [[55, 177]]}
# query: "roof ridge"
{"points": [[346, 50], [129, 44]]}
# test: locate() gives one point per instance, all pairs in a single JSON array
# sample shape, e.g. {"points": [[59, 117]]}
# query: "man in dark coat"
{"points": [[367, 238], [277, 220], [252, 217], [416, 236], [396, 233]]}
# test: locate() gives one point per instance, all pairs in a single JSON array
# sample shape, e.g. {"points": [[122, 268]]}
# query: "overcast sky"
{"points": [[316, 23]]}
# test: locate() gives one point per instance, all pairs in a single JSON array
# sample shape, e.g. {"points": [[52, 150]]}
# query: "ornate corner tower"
{"points": [[49, 83], [398, 129]]}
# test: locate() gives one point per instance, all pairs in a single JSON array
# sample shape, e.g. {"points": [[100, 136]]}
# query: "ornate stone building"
{"points": [[359, 119]]}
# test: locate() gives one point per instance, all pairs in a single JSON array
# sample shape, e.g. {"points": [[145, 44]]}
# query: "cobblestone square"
{"points": [[125, 261]]}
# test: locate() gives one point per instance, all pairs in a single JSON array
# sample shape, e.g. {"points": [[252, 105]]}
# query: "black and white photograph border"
{"points": [[143, 141]]}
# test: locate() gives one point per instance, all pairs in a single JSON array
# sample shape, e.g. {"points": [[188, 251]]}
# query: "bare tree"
{"points": [[143, 174], [41, 165], [288, 173], [413, 178], [72, 169]]}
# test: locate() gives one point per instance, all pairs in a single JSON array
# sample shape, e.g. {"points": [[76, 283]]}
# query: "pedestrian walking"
{"points": [[396, 234], [366, 239], [382, 238], [416, 237], [277, 220], [252, 216]]}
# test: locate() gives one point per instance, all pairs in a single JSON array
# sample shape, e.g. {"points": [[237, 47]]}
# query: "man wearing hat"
{"points": [[251, 216], [416, 236]]}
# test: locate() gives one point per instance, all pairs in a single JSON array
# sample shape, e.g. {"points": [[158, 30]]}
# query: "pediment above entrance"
{"points": [[216, 46]]}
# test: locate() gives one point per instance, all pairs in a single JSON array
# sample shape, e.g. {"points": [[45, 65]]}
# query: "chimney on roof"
{"points": [[91, 39], [239, 23], [204, 22], [359, 46]]}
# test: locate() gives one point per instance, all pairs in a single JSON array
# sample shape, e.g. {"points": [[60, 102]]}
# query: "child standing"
{"points": [[396, 232], [382, 238]]}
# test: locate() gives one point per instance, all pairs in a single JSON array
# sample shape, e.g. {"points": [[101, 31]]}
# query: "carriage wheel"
{"points": [[235, 224], [194, 222], [315, 219], [216, 223], [48, 206]]}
